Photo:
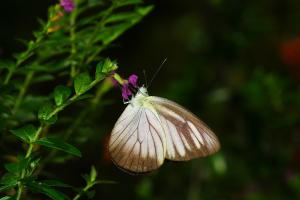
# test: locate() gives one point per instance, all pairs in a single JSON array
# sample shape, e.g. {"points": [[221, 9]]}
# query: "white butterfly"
{"points": [[152, 129]]}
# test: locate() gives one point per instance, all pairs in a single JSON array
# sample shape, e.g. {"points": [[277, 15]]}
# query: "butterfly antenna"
{"points": [[158, 69], [145, 77]]}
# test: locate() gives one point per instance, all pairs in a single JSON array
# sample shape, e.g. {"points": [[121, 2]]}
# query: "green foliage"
{"points": [[27, 133], [61, 94], [91, 181], [62, 54], [58, 144], [6, 198], [40, 187], [46, 115], [104, 67], [82, 82]]}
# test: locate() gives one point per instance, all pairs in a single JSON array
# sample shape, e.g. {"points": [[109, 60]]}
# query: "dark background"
{"points": [[236, 64]]}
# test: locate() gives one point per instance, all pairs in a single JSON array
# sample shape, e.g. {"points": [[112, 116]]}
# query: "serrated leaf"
{"points": [[40, 187], [61, 94], [26, 133], [44, 114], [82, 82], [59, 145]]}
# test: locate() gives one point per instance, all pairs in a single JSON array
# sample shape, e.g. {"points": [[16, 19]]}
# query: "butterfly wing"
{"points": [[186, 135], [137, 142]]}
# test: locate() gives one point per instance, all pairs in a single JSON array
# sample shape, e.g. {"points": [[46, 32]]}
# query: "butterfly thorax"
{"points": [[140, 99]]}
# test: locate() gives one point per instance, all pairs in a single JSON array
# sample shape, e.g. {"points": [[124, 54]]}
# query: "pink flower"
{"points": [[129, 87], [133, 80], [126, 93], [68, 5]]}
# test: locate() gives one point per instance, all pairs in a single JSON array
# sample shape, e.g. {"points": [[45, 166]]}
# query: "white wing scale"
{"points": [[137, 142]]}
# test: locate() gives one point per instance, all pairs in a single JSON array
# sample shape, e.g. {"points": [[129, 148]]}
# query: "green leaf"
{"points": [[125, 16], [112, 32], [40, 187], [61, 94], [104, 67], [7, 64], [16, 169], [9, 179], [26, 133], [93, 174], [43, 78], [6, 198], [7, 187], [90, 178], [145, 10], [59, 145], [45, 115], [56, 183], [128, 2], [90, 194], [82, 83]]}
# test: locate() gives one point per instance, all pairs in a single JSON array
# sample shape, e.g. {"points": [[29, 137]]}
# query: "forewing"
{"points": [[137, 142], [187, 136]]}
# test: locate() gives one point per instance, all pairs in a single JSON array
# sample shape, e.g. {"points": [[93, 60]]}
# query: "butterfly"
{"points": [[152, 129]]}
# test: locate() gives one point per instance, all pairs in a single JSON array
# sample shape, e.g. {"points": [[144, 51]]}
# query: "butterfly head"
{"points": [[142, 91]]}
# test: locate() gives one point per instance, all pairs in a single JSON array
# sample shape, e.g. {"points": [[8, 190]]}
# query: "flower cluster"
{"points": [[68, 5], [128, 86]]}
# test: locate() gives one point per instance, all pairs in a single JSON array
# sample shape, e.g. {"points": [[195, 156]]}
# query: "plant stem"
{"points": [[8, 76], [84, 190], [54, 112], [105, 87], [22, 92], [94, 35], [28, 154]]}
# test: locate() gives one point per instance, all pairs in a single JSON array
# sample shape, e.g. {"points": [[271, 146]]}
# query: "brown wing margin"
{"points": [[187, 137]]}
